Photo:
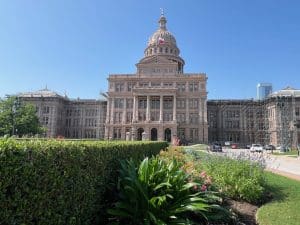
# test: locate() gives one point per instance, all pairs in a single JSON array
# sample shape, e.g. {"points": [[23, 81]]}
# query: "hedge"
{"points": [[60, 182]]}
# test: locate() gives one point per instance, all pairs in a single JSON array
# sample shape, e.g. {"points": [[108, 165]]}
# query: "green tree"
{"points": [[18, 118]]}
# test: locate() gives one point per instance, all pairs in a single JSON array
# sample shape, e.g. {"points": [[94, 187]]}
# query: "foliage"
{"points": [[235, 178], [284, 208], [60, 182], [17, 118], [159, 192]]}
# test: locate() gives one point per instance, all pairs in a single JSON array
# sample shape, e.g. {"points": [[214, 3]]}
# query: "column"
{"points": [[108, 110], [112, 110], [124, 112], [148, 109], [187, 111], [161, 109], [134, 109], [174, 108]]}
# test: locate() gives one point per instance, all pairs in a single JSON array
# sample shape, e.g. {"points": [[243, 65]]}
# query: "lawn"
{"points": [[293, 152], [284, 208]]}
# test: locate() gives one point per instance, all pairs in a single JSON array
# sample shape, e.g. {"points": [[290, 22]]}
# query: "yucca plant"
{"points": [[158, 192]]}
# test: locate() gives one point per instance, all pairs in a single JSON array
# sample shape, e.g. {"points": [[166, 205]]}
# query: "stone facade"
{"points": [[159, 101], [275, 120], [68, 118]]}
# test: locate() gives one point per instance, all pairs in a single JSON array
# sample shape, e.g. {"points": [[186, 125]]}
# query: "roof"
{"points": [[41, 93], [288, 91]]}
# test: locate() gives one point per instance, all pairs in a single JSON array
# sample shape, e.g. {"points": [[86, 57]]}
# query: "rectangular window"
{"points": [[155, 103], [193, 87], [142, 116], [46, 109], [180, 103], [194, 134], [144, 84], [297, 111], [128, 117], [194, 118], [142, 103], [154, 116], [45, 120], [193, 103], [181, 133], [117, 133], [154, 84], [129, 103], [168, 116], [119, 87], [118, 117], [180, 117], [130, 86], [119, 103], [180, 87], [168, 84], [168, 103]]}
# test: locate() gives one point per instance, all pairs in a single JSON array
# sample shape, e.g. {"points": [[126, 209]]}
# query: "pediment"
{"points": [[156, 60]]}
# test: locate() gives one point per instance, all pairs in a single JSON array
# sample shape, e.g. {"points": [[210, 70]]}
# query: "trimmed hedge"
{"points": [[60, 182]]}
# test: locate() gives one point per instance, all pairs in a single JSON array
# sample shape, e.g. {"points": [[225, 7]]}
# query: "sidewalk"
{"points": [[285, 174], [285, 165]]}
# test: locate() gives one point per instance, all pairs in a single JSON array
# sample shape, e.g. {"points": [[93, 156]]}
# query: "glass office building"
{"points": [[263, 90]]}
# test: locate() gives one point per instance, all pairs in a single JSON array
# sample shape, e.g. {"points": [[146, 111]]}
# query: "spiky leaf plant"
{"points": [[159, 193]]}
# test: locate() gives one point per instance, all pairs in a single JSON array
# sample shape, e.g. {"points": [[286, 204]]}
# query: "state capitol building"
{"points": [[161, 102]]}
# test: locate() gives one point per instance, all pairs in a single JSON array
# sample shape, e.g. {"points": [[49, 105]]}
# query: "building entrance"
{"points": [[153, 134], [168, 135], [140, 132]]}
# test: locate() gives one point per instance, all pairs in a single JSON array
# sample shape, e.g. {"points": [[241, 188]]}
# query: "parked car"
{"points": [[270, 147], [216, 147], [256, 148], [248, 146], [283, 148], [234, 146]]}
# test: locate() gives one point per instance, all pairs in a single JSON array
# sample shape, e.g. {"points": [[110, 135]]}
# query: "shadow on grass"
{"points": [[273, 192]]}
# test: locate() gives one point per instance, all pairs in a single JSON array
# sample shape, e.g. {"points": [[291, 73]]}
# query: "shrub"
{"points": [[158, 192], [238, 179], [60, 182]]}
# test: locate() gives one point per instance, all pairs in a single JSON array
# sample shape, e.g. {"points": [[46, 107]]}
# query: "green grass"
{"points": [[198, 147], [293, 152], [285, 206]]}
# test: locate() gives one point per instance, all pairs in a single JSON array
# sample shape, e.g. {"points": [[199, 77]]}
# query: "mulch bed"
{"points": [[245, 211]]}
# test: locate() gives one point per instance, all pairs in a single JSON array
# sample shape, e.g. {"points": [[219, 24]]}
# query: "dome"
{"points": [[162, 34], [161, 52], [162, 42]]}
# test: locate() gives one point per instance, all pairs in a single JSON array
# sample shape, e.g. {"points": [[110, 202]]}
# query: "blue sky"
{"points": [[72, 46]]}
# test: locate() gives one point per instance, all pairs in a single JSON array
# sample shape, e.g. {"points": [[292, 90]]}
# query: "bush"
{"points": [[60, 182], [159, 192], [238, 179], [234, 178]]}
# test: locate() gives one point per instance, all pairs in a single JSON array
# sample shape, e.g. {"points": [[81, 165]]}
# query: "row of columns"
{"points": [[111, 109]]}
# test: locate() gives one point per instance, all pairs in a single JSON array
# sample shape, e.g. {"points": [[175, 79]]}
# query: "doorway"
{"points": [[140, 132], [153, 134], [168, 135]]}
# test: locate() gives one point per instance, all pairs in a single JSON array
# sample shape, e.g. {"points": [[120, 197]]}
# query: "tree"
{"points": [[18, 118]]}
